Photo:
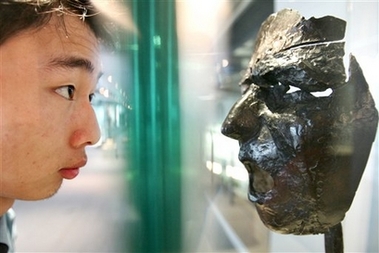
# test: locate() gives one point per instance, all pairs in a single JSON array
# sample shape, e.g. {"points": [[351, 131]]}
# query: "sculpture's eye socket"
{"points": [[292, 89], [246, 81], [320, 94]]}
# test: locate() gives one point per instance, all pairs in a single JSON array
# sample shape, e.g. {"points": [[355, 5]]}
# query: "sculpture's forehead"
{"points": [[287, 29], [305, 53]]}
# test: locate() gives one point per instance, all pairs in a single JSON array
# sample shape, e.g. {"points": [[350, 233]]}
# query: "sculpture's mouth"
{"points": [[260, 183]]}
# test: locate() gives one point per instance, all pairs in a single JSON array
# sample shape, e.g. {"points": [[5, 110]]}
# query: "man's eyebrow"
{"points": [[72, 62]]}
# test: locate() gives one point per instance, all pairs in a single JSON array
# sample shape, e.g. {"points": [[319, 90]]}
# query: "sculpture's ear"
{"points": [[357, 79], [365, 113], [356, 122], [354, 102]]}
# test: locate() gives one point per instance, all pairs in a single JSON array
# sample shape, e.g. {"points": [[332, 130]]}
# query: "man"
{"points": [[49, 54]]}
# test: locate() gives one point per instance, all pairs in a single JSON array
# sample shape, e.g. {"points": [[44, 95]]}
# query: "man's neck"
{"points": [[5, 204]]}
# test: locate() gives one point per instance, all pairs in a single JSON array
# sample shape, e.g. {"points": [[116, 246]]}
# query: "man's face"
{"points": [[47, 78], [304, 154]]}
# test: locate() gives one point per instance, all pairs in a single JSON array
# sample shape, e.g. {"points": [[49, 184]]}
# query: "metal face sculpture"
{"points": [[305, 154]]}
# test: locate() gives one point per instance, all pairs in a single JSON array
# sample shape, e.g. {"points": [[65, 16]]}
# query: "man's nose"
{"points": [[243, 122], [87, 131]]}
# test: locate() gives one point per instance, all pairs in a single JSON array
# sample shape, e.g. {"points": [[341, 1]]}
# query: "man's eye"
{"points": [[67, 91]]}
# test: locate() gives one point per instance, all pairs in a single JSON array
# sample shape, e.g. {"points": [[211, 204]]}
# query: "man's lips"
{"points": [[69, 173], [72, 171]]}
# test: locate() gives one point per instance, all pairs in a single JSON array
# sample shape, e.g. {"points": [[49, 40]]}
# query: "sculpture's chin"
{"points": [[299, 217], [299, 203], [291, 224]]}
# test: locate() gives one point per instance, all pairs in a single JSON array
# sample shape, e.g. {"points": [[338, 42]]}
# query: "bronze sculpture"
{"points": [[305, 154]]}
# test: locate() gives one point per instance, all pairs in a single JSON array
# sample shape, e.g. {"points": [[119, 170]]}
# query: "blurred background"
{"points": [[163, 178]]}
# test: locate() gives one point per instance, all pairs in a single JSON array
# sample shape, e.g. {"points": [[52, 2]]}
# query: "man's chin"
{"points": [[41, 194]]}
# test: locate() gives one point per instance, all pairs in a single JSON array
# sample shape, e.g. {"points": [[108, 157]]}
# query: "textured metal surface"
{"points": [[305, 154]]}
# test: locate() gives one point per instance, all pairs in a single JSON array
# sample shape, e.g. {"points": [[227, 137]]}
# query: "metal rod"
{"points": [[334, 239]]}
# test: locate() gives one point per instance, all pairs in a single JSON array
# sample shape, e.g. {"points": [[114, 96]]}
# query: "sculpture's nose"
{"points": [[242, 122]]}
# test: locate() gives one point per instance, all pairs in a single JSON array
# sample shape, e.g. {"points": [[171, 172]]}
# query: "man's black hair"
{"points": [[20, 15]]}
